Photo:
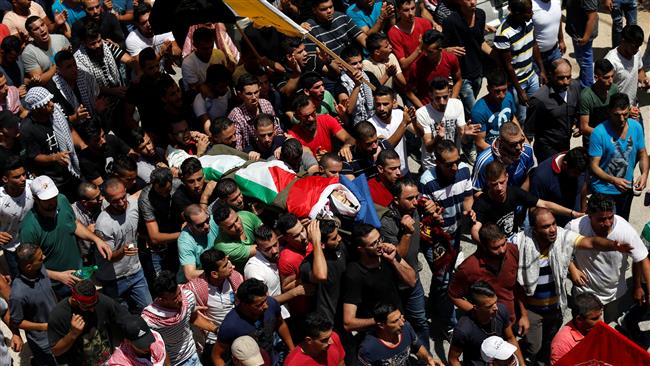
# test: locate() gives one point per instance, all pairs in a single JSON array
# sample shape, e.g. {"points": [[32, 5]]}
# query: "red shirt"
{"points": [[475, 269], [289, 264], [326, 127], [379, 193], [564, 341], [424, 71], [405, 43], [333, 357]]}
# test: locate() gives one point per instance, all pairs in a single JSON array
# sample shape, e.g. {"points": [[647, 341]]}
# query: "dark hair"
{"points": [[140, 10], [190, 166], [85, 288], [490, 232], [161, 176], [29, 21], [90, 130], [384, 90], [63, 56], [364, 130], [432, 36], [399, 185], [360, 231], [203, 34], [285, 222], [112, 183], [245, 80], [124, 163], [399, 3], [444, 146], [291, 151], [25, 252], [329, 156], [374, 40], [220, 124], [494, 170], [619, 101], [602, 66], [90, 31], [584, 303], [225, 187], [480, 288], [164, 283], [599, 202], [250, 289], [147, 54], [135, 137], [289, 45], [519, 6], [496, 77], [308, 79], [315, 3], [326, 228], [218, 73], [633, 34], [11, 43], [220, 211], [83, 188], [577, 158], [350, 51], [439, 83], [387, 154], [209, 260], [534, 214], [263, 232], [263, 120], [12, 163], [315, 324], [381, 311], [300, 102], [164, 83]]}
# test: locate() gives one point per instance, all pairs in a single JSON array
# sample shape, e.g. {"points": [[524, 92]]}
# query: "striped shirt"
{"points": [[519, 41], [336, 35], [517, 171], [545, 297], [450, 197]]}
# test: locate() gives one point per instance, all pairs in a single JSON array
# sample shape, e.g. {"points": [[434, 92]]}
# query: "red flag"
{"points": [[604, 346]]}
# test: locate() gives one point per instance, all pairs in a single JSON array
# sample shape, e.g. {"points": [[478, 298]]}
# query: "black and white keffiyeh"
{"points": [[106, 74], [88, 90]]}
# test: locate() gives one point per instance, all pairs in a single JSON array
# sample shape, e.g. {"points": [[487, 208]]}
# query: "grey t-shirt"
{"points": [[117, 231], [392, 231], [576, 17], [36, 58]]}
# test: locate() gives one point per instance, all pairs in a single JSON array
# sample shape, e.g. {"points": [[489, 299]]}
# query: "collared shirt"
{"points": [[517, 171], [564, 341], [553, 115], [262, 269], [475, 268], [243, 121]]}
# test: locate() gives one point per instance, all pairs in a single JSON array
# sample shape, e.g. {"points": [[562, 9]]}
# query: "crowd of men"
{"points": [[119, 250]]}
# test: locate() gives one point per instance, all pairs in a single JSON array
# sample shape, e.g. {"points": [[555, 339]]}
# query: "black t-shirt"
{"points": [[364, 164], [154, 207], [37, 139], [469, 335], [507, 215], [458, 33], [5, 153], [109, 28], [181, 199], [93, 164], [327, 293], [365, 287], [277, 142], [102, 331]]}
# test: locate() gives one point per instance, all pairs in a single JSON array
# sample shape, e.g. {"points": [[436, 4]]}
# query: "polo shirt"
{"points": [[190, 248], [262, 269], [326, 128], [333, 355], [517, 171], [565, 339], [239, 250], [336, 35], [503, 280], [518, 39]]}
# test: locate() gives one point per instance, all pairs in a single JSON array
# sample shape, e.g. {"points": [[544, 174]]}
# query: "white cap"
{"points": [[495, 348], [245, 350], [44, 188]]}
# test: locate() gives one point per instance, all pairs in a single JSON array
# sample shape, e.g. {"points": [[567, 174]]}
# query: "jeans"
{"points": [[623, 203], [468, 92], [549, 56], [12, 262], [41, 357], [132, 288], [646, 58], [415, 311], [585, 59], [530, 86], [620, 9], [192, 361], [439, 302], [536, 345]]}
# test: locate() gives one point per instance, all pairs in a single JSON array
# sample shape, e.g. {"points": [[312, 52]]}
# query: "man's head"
{"points": [[406, 10], [14, 175], [223, 131], [601, 209], [264, 130], [511, 141], [576, 162], [312, 86], [197, 219], [405, 195], [141, 19], [166, 290], [305, 112], [323, 10], [92, 134], [330, 164], [388, 319], [467, 4], [318, 333], [228, 191], [352, 55], [93, 9], [161, 180], [544, 227], [21, 5], [294, 234], [30, 258], [560, 74], [447, 159], [252, 295], [603, 73], [149, 63], [587, 310], [66, 66], [11, 47], [484, 300], [84, 297], [619, 110], [291, 153], [37, 29], [91, 37], [179, 132], [203, 42], [389, 166], [521, 11], [141, 142], [246, 352], [248, 90], [632, 40], [138, 335], [39, 101], [367, 239], [90, 196], [216, 265], [45, 195], [116, 195], [384, 101], [192, 176], [432, 41], [497, 85], [440, 93], [498, 352], [493, 243], [497, 181], [125, 169], [294, 48], [219, 79], [227, 220], [379, 47], [366, 138], [267, 243], [9, 130], [329, 234], [169, 92]]}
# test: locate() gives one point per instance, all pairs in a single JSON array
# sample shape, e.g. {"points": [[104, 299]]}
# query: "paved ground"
{"points": [[640, 211]]}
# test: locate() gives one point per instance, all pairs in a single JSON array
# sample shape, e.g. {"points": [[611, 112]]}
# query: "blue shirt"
{"points": [[491, 116], [363, 19], [617, 156], [262, 330], [450, 196], [517, 171], [373, 352], [74, 14]]}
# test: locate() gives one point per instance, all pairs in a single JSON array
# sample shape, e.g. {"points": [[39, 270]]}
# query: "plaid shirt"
{"points": [[245, 129]]}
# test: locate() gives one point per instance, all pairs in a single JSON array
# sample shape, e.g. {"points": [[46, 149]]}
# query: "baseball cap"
{"points": [[44, 188], [137, 331], [495, 348], [8, 120], [246, 351]]}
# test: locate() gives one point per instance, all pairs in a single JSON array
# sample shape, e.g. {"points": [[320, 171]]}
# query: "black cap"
{"points": [[8, 120], [137, 331]]}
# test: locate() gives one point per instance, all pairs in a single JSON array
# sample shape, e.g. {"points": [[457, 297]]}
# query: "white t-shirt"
{"points": [[452, 119], [546, 20], [217, 107], [387, 130], [626, 72], [605, 271], [219, 304], [12, 213], [136, 42], [260, 268]]}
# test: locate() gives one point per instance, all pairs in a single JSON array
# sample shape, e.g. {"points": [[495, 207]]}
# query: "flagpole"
{"points": [[248, 41]]}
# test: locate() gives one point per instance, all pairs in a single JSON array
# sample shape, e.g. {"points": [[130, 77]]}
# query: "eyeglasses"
{"points": [[202, 224], [376, 243], [515, 143]]}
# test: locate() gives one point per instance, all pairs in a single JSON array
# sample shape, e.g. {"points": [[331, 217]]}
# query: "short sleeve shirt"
{"points": [[239, 250], [12, 212], [452, 119], [326, 128], [365, 287], [491, 116], [508, 215], [425, 71], [118, 230], [363, 19], [517, 171], [190, 248], [16, 23], [35, 58], [373, 351], [468, 335], [334, 355], [262, 330], [626, 72]]}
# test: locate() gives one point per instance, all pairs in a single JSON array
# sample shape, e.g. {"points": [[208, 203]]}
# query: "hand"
{"points": [[357, 77], [277, 152], [293, 64], [22, 91], [16, 343], [108, 4], [562, 46], [104, 249], [490, 29], [640, 182], [130, 251], [254, 156], [313, 232], [81, 112], [622, 247], [391, 70], [298, 290], [440, 130], [408, 115], [387, 11], [77, 325], [62, 158], [621, 184], [60, 18], [34, 80], [435, 362], [472, 130], [523, 97], [645, 83], [634, 112], [68, 278], [543, 80], [323, 57], [458, 51], [305, 26], [578, 277], [524, 325], [202, 142], [342, 108], [5, 237], [408, 224], [582, 41], [346, 153], [388, 251], [639, 296], [471, 214]]}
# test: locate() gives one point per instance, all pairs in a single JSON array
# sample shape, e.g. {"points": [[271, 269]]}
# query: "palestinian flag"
{"points": [[216, 166], [264, 179]]}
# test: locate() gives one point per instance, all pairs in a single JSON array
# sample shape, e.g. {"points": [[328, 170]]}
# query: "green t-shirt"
{"points": [[190, 250], [238, 250], [55, 236], [595, 108]]}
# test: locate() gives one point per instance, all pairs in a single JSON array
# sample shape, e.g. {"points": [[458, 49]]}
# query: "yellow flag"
{"points": [[264, 14]]}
